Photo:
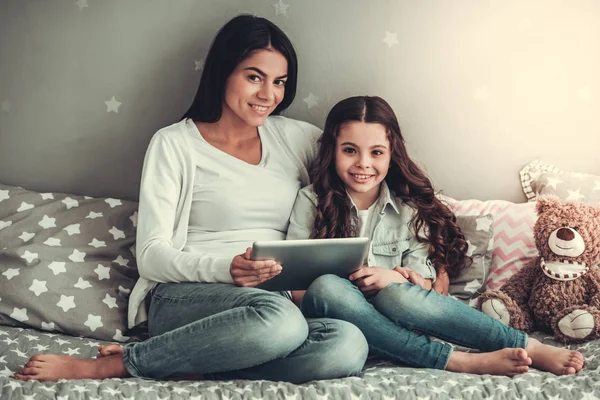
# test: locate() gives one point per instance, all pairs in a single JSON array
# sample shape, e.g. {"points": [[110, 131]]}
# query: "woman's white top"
{"points": [[200, 207]]}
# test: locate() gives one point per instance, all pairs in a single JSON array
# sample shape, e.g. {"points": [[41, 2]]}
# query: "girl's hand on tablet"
{"points": [[371, 280], [248, 273]]}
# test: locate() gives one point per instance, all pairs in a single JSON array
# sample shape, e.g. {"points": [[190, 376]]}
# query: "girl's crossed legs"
{"points": [[390, 320]]}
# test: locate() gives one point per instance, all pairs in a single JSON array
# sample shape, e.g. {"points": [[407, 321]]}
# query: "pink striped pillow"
{"points": [[513, 234]]}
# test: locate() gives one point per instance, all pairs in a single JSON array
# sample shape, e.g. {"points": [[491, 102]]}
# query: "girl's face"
{"points": [[255, 88], [362, 160]]}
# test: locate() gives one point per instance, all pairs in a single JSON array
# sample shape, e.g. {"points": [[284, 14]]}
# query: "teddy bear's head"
{"points": [[567, 236]]}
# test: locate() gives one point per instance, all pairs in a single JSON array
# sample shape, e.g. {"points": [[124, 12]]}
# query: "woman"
{"points": [[224, 176]]}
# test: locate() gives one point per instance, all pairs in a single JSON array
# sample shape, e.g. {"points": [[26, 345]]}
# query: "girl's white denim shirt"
{"points": [[393, 242]]}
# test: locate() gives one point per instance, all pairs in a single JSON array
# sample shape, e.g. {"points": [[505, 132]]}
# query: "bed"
{"points": [[67, 268]]}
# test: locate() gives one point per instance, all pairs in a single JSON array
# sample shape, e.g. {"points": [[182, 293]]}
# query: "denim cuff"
{"points": [[444, 357], [129, 362]]}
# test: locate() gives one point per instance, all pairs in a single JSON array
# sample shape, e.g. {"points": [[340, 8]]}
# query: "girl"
{"points": [[365, 184], [223, 177]]}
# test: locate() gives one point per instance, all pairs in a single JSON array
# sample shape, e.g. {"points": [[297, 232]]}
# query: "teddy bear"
{"points": [[559, 291]]}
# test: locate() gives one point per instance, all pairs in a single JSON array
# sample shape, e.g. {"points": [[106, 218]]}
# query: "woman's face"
{"points": [[255, 88]]}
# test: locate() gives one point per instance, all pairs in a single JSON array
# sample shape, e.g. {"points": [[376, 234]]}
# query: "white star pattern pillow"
{"points": [[539, 178], [479, 234], [65, 262]]}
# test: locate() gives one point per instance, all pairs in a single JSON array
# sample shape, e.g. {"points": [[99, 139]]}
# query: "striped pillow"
{"points": [[514, 245]]}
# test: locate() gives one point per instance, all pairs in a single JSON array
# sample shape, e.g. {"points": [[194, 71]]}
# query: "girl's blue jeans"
{"points": [[398, 320], [227, 332]]}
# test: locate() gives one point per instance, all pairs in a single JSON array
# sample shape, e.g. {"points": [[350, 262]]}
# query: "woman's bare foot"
{"points": [[507, 362], [109, 350], [557, 360], [51, 367]]}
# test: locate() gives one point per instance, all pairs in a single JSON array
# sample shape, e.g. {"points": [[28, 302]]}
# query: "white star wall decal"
{"points": [[38, 287], [112, 105], [26, 236], [5, 106], [281, 8], [390, 38], [72, 229], [57, 267], [93, 322], [81, 4], [311, 100], [66, 302], [47, 196]]}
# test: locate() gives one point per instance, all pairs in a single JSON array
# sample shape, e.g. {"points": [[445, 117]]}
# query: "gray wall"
{"points": [[481, 87]]}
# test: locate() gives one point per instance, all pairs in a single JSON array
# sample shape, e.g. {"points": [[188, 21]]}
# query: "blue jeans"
{"points": [[390, 321], [227, 332]]}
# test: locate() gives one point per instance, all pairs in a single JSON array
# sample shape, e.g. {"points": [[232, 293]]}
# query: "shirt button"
{"points": [[393, 249]]}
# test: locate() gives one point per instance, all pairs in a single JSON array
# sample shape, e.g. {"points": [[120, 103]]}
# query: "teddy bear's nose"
{"points": [[565, 234]]}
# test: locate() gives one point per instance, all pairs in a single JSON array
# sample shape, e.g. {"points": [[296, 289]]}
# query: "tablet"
{"points": [[305, 260]]}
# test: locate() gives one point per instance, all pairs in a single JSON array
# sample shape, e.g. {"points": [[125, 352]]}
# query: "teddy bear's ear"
{"points": [[546, 202]]}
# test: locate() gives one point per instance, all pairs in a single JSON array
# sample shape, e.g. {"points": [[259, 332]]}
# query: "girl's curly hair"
{"points": [[433, 223]]}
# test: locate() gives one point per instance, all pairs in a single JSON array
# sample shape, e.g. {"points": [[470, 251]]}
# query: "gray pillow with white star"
{"points": [[479, 234], [65, 262], [539, 178]]}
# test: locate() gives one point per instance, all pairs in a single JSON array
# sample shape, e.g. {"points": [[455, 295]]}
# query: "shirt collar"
{"points": [[385, 199]]}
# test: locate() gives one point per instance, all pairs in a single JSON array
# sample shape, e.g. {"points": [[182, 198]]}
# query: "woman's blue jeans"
{"points": [[391, 321], [227, 332]]}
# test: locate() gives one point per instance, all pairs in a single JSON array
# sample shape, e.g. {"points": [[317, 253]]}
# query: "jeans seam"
{"points": [[128, 362]]}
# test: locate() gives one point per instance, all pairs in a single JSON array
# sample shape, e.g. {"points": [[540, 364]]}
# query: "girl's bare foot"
{"points": [[557, 360], [109, 350], [508, 362], [51, 367]]}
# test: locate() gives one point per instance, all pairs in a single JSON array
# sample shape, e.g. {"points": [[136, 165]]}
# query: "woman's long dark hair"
{"points": [[237, 40], [433, 223]]}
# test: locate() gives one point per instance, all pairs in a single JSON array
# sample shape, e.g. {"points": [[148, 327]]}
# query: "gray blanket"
{"points": [[379, 380]]}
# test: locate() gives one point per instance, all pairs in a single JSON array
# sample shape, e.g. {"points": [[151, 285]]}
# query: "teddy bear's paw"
{"points": [[497, 310], [577, 324]]}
